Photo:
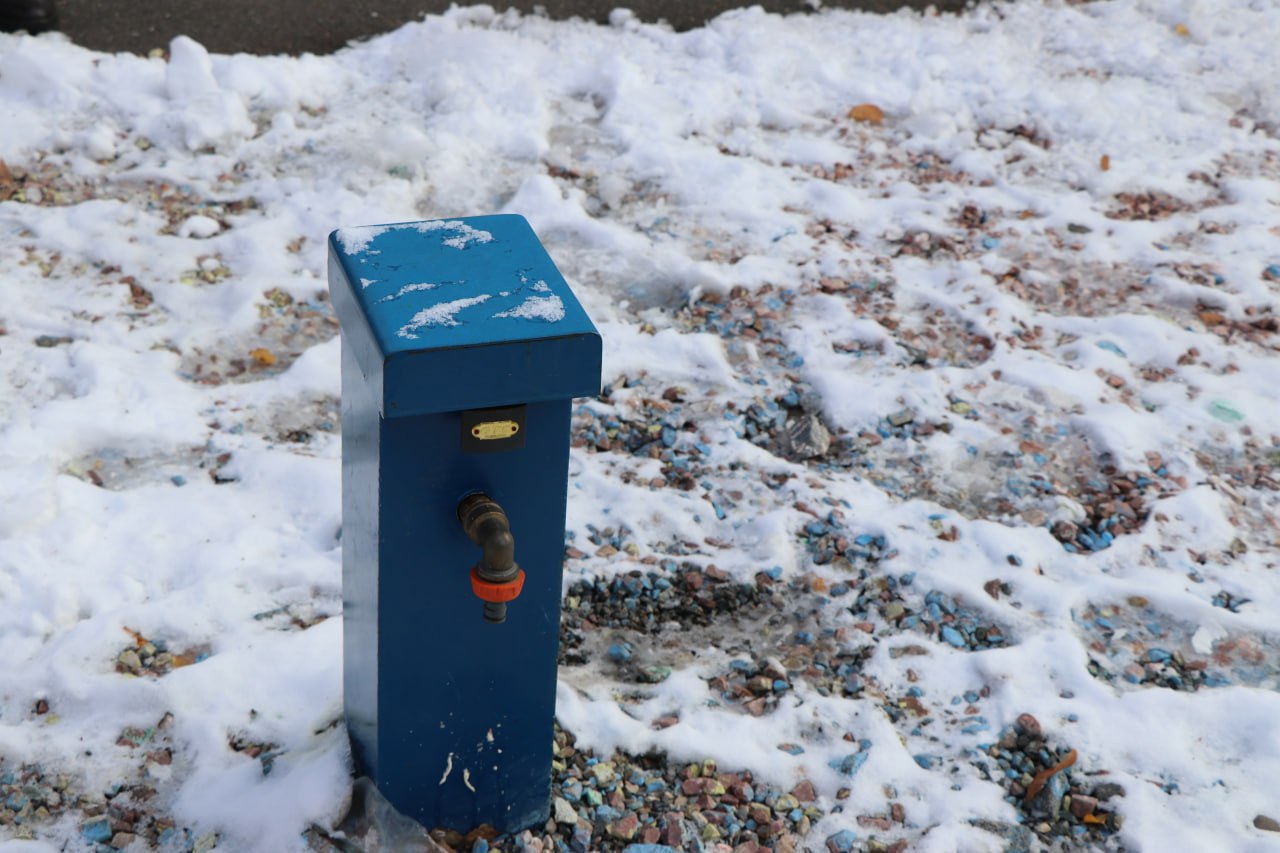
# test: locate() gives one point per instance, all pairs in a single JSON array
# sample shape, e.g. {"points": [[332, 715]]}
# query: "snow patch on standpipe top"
{"points": [[459, 235], [441, 314]]}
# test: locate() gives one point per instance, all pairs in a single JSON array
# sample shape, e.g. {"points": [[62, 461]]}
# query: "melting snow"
{"points": [[549, 309], [441, 314]]}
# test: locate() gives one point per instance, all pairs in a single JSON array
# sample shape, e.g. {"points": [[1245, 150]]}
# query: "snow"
{"points": [[440, 314], [461, 234], [165, 341], [457, 235], [547, 309], [416, 287]]}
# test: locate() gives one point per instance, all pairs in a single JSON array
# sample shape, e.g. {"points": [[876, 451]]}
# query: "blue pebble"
{"points": [[990, 242], [480, 845], [804, 638], [1057, 787], [1157, 655], [915, 691], [740, 665], [1110, 347], [953, 637], [655, 786], [779, 685], [849, 765], [925, 761], [178, 480], [842, 841], [97, 830]]}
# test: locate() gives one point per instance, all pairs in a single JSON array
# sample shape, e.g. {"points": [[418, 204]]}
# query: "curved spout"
{"points": [[497, 578]]}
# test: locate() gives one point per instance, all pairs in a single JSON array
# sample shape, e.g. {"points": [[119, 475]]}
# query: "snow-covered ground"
{"points": [[944, 347]]}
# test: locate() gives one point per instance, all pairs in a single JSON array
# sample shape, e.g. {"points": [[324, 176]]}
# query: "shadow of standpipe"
{"points": [[323, 26], [462, 348]]}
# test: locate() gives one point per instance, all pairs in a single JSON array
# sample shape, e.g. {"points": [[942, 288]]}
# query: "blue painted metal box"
{"points": [[462, 347]]}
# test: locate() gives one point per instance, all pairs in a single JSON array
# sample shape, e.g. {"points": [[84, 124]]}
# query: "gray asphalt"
{"points": [[323, 26]]}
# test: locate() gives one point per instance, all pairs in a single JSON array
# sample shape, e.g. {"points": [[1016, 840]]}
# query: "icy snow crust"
{"points": [[1051, 267]]}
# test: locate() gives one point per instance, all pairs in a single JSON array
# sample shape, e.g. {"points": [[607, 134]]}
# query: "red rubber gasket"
{"points": [[498, 593]]}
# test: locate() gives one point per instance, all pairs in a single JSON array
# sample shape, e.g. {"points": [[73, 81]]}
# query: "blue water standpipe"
{"points": [[462, 348]]}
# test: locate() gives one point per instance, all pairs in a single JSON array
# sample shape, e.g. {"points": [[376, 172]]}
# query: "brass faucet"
{"points": [[496, 579]]}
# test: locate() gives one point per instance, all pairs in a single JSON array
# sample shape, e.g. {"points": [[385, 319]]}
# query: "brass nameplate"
{"points": [[491, 430], [494, 430]]}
